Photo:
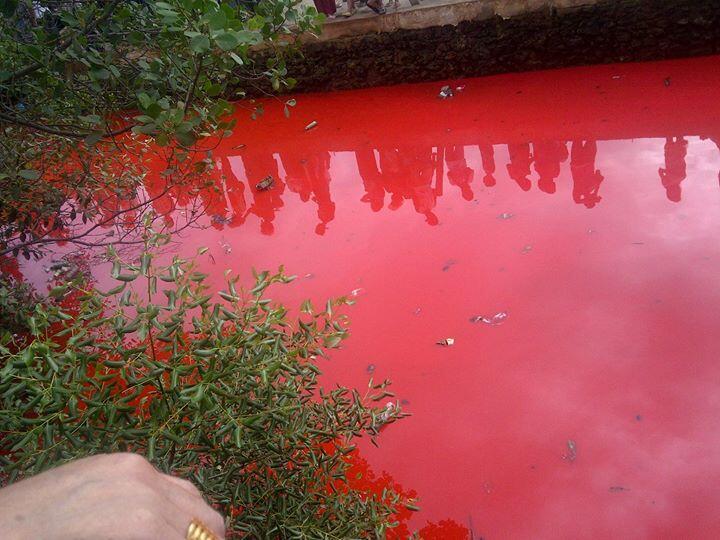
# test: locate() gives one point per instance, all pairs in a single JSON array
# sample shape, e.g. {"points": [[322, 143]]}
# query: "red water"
{"points": [[585, 204]]}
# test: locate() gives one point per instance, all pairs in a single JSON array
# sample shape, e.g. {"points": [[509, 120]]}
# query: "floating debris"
{"points": [[357, 292], [618, 489], [311, 125], [505, 215], [495, 320], [527, 248], [449, 265], [445, 92], [638, 418], [591, 231], [404, 402], [417, 311], [388, 412], [667, 81], [265, 184], [447, 342], [571, 454], [220, 220], [60, 266], [616, 77], [460, 88], [227, 248], [370, 369], [309, 276], [238, 147]]}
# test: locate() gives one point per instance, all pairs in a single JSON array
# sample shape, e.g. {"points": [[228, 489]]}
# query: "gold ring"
{"points": [[197, 530]]}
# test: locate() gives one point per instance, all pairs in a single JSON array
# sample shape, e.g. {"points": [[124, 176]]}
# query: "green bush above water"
{"points": [[223, 391]]}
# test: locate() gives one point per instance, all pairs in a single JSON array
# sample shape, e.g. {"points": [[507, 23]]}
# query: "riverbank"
{"points": [[440, 40]]}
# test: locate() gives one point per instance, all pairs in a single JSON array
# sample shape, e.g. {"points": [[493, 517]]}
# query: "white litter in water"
{"points": [[495, 320], [445, 92], [388, 412], [227, 248]]}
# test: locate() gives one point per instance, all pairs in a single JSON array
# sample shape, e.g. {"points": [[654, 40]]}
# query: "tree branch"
{"points": [[191, 90], [32, 68], [60, 132]]}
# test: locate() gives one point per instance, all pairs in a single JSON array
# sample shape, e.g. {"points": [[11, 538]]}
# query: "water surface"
{"points": [[582, 203]]}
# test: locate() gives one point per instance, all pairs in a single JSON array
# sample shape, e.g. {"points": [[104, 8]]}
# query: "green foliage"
{"points": [[78, 80], [17, 305], [222, 389]]}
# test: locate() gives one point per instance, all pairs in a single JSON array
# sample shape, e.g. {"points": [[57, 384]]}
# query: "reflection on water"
{"points": [[584, 204], [392, 176]]}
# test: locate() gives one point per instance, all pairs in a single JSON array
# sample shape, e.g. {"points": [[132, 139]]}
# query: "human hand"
{"points": [[104, 497]]}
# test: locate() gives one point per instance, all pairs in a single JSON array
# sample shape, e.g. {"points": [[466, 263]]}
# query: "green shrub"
{"points": [[223, 391], [17, 305]]}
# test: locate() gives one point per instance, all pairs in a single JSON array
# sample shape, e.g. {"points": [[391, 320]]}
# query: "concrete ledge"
{"points": [[447, 40], [440, 13], [423, 16]]}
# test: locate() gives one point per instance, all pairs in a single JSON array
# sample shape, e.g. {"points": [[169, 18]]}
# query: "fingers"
{"points": [[190, 504], [180, 499]]}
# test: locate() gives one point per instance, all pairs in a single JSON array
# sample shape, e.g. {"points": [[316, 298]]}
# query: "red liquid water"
{"points": [[593, 409]]}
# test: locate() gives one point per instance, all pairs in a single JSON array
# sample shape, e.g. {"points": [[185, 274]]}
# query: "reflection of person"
{"points": [[157, 187], [586, 179], [407, 173], [675, 170], [716, 140], [296, 176], [308, 177], [235, 191], [105, 496], [393, 177], [487, 153], [265, 203], [319, 173], [459, 174], [419, 167], [519, 166], [548, 156], [371, 178], [213, 197]]}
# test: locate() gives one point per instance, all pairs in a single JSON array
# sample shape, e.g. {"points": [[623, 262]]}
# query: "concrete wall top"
{"points": [[440, 13]]}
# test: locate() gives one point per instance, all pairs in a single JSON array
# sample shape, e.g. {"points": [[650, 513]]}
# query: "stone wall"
{"points": [[515, 35]]}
